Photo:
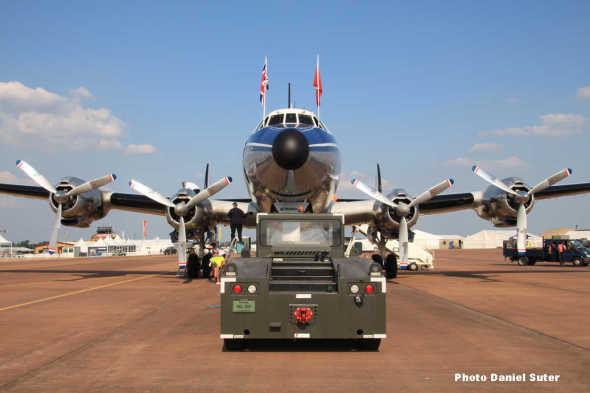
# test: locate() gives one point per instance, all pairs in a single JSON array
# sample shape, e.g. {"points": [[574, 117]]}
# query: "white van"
{"points": [[418, 258]]}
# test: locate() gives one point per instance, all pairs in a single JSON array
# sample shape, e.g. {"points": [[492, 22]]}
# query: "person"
{"points": [[560, 250], [236, 216], [217, 261]]}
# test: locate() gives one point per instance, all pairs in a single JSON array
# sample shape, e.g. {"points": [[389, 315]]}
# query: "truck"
{"points": [[418, 258], [299, 286], [575, 252]]}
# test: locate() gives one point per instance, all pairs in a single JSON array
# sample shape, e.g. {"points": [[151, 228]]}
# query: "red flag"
{"points": [[145, 229], [317, 83], [264, 84]]}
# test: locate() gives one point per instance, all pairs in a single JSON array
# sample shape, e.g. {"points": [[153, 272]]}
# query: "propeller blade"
{"points": [[433, 191], [493, 180], [148, 192], [53, 242], [181, 245], [379, 184], [551, 180], [359, 185], [403, 240], [92, 184], [209, 191], [35, 176], [207, 175], [190, 185], [521, 229]]}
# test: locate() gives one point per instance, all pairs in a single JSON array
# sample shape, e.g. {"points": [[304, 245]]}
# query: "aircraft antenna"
{"points": [[289, 96]]}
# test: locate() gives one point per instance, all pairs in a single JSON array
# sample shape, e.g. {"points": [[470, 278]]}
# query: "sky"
{"points": [[153, 91]]}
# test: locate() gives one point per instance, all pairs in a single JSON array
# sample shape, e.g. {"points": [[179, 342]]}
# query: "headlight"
{"points": [[354, 289], [252, 289]]}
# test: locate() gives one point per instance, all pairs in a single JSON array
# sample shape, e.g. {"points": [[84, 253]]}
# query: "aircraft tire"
{"points": [[523, 261], [532, 261], [192, 266], [413, 267], [577, 262], [391, 266], [231, 344], [377, 258]]}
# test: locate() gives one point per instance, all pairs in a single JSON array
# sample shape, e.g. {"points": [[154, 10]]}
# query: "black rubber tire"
{"points": [[584, 263], [523, 261], [192, 266], [377, 258], [231, 344], [370, 344], [532, 261], [391, 266], [577, 262], [413, 267]]}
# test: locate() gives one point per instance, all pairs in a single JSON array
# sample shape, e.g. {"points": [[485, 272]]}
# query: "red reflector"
{"points": [[303, 314], [369, 288], [237, 288]]}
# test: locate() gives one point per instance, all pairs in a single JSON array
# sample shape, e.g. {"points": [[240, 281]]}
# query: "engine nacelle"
{"points": [[386, 218], [80, 210], [500, 207], [191, 219]]}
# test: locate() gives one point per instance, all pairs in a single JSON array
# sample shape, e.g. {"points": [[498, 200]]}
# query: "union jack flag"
{"points": [[264, 84]]}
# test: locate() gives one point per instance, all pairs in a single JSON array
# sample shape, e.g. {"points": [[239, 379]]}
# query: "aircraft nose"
{"points": [[290, 149]]}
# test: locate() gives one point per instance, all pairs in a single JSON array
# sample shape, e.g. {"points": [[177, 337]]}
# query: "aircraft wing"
{"points": [[362, 211], [559, 191], [24, 191], [133, 203]]}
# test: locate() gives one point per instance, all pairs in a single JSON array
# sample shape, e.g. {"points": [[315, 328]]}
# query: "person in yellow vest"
{"points": [[218, 260]]}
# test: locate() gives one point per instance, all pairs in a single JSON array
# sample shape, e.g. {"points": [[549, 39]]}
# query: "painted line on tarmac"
{"points": [[46, 299]]}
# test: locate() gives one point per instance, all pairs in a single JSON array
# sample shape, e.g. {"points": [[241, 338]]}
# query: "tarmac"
{"points": [[127, 324]]}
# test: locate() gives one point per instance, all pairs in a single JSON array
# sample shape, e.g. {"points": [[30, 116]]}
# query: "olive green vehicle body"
{"points": [[306, 276]]}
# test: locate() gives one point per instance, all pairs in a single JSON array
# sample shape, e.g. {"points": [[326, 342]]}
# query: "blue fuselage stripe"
{"points": [[267, 135]]}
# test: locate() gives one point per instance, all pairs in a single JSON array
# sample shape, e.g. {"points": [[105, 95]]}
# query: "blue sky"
{"points": [[412, 86]]}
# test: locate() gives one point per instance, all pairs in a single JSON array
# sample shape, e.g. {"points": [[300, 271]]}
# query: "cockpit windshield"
{"points": [[291, 118], [306, 120], [276, 120]]}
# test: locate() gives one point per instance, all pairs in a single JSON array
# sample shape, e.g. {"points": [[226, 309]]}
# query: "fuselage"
{"points": [[291, 163]]}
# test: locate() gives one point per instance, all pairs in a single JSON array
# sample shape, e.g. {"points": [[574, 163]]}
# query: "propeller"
{"points": [[181, 208], [62, 197], [402, 209], [521, 198]]}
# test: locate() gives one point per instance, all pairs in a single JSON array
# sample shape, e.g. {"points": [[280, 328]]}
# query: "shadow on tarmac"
{"points": [[316, 345]]}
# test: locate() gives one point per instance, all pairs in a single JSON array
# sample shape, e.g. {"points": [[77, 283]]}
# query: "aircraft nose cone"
{"points": [[290, 149]]}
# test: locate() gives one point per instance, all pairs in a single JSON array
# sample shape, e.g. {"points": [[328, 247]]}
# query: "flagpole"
{"points": [[317, 88], [264, 99]]}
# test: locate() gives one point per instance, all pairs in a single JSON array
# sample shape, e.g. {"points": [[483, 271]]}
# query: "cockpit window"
{"points": [[291, 118], [305, 119], [317, 122], [276, 120], [260, 125]]}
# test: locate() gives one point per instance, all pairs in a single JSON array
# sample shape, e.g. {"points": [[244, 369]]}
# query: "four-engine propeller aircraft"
{"points": [[291, 164]]}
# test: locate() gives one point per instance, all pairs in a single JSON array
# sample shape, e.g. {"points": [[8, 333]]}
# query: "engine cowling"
{"points": [[500, 207], [80, 210], [191, 218], [387, 218]]}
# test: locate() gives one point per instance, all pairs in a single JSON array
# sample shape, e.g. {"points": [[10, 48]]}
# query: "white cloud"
{"points": [[512, 162], [553, 124], [485, 147], [584, 92], [37, 117], [140, 149]]}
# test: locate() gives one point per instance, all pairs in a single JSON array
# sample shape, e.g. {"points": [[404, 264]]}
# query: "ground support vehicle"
{"points": [[301, 287], [575, 252]]}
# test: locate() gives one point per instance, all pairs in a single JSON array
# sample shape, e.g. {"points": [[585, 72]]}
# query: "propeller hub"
{"points": [[60, 197], [181, 209], [403, 210]]}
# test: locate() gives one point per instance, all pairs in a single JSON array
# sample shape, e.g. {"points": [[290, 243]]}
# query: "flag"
{"points": [[264, 84], [317, 82], [145, 229]]}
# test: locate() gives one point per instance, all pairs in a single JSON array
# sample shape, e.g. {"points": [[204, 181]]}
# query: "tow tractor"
{"points": [[301, 287]]}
